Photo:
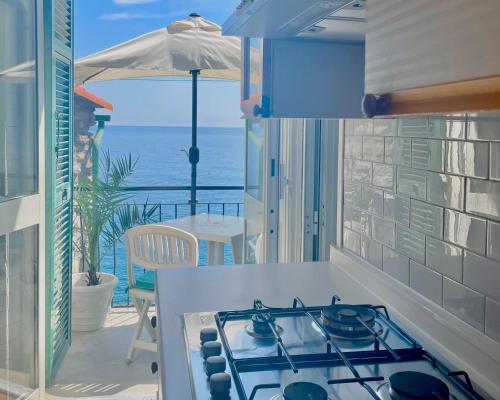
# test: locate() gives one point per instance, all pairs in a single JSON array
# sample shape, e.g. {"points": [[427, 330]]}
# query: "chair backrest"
{"points": [[159, 246]]}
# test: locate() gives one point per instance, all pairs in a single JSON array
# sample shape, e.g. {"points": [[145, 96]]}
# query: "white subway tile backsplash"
{"points": [[444, 258], [347, 217], [371, 200], [493, 245], [493, 319], [465, 230], [353, 147], [383, 231], [432, 127], [482, 274], [495, 161], [384, 176], [446, 190], [347, 170], [414, 127], [483, 198], [396, 265], [397, 207], [352, 241], [352, 193], [428, 154], [373, 148], [361, 222], [371, 251], [362, 171], [447, 128], [422, 202], [484, 126], [412, 182], [467, 158], [398, 151], [410, 243], [463, 302], [385, 127], [427, 282], [426, 218], [362, 127]]}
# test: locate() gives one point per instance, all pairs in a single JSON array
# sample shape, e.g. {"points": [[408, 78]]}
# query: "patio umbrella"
{"points": [[192, 47]]}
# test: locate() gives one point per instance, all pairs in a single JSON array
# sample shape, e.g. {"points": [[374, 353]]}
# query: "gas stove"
{"points": [[332, 352]]}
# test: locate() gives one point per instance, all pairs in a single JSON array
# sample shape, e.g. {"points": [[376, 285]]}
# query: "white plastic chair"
{"points": [[153, 247]]}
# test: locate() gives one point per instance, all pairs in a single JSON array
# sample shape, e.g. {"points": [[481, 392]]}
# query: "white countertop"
{"points": [[218, 288]]}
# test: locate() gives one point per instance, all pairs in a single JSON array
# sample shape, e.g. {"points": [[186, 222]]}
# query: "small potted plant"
{"points": [[104, 216]]}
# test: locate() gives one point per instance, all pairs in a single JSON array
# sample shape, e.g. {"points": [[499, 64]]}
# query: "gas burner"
{"points": [[344, 321], [259, 327], [304, 390], [412, 385]]}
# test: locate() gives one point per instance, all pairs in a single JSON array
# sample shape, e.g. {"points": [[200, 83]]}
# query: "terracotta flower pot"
{"points": [[90, 304]]}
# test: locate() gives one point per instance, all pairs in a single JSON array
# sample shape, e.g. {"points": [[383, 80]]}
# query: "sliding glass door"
{"points": [[19, 199]]}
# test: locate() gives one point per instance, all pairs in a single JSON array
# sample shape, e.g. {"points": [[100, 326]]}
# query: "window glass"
{"points": [[18, 105], [18, 312]]}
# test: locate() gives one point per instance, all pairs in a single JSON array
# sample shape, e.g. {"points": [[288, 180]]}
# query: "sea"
{"points": [[161, 154]]}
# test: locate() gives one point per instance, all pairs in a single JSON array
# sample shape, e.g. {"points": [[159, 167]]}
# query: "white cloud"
{"points": [[127, 2], [128, 15]]}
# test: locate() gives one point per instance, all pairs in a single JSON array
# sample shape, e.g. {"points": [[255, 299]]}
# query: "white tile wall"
{"points": [[396, 265], [467, 158], [464, 303], [422, 202], [482, 274], [445, 258], [397, 207], [372, 252], [361, 171], [373, 148], [384, 176], [410, 243], [483, 198], [426, 218], [493, 246], [493, 319], [428, 154], [495, 161], [412, 182], [445, 190], [427, 282], [465, 230]]}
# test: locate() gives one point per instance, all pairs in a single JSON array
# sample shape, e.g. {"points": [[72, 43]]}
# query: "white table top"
{"points": [[212, 227]]}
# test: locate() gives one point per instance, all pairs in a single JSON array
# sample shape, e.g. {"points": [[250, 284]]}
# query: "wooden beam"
{"points": [[482, 94]]}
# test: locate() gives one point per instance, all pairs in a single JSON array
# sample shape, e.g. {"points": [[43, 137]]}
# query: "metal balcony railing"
{"points": [[115, 262]]}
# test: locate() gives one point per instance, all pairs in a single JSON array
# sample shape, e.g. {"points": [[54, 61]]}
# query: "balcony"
{"points": [[95, 365]]}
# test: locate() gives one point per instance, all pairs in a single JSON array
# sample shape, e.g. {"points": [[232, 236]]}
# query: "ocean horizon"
{"points": [[162, 161]]}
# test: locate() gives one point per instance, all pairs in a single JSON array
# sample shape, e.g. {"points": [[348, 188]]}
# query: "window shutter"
{"points": [[59, 180]]}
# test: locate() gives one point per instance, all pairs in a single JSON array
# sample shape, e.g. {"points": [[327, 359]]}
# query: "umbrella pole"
{"points": [[194, 152]]}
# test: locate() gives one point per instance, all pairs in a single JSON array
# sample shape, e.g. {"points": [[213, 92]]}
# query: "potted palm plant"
{"points": [[104, 215]]}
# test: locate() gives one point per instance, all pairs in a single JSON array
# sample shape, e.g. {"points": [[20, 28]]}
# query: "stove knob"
{"points": [[220, 385], [215, 364], [210, 349], [208, 335]]}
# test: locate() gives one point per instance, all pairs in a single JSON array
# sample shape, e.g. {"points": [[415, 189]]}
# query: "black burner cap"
{"points": [[417, 385], [349, 314], [304, 390]]}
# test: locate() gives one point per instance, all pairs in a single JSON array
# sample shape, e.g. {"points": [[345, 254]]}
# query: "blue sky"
{"points": [[100, 24]]}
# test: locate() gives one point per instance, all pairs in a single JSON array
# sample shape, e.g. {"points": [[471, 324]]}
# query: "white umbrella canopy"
{"points": [[191, 44], [192, 47]]}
